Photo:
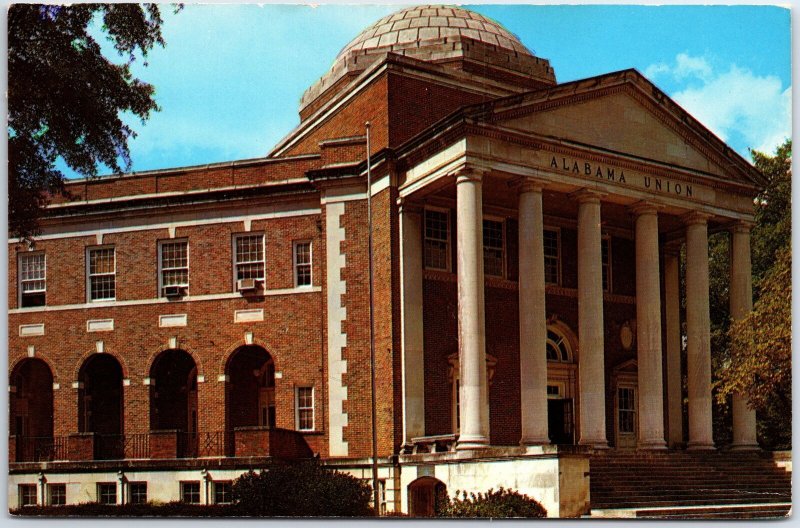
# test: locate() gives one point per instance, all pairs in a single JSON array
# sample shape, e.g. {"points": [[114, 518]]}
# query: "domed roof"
{"points": [[417, 24]]}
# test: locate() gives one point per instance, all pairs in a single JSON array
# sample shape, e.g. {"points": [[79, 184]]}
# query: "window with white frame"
{"points": [[249, 257], [305, 408], [102, 273], [302, 263], [190, 492], [174, 265], [437, 239], [57, 494], [137, 492], [32, 279], [28, 495], [552, 256], [107, 493], [605, 246], [493, 248], [222, 492]]}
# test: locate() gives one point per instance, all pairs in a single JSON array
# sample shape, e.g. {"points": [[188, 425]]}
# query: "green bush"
{"points": [[304, 489], [499, 504]]}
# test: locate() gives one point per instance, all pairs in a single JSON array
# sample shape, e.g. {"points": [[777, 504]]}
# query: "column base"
{"points": [[700, 447], [745, 447], [534, 441], [652, 445], [472, 442]]}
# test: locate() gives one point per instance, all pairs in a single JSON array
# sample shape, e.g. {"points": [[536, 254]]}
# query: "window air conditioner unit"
{"points": [[244, 285], [174, 291]]}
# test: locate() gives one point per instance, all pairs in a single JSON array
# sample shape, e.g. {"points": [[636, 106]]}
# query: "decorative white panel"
{"points": [[248, 316], [28, 330], [100, 325], [172, 320]]}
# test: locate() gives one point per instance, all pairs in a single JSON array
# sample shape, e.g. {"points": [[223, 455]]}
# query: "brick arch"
{"points": [[231, 350], [17, 362], [151, 358], [85, 357]]}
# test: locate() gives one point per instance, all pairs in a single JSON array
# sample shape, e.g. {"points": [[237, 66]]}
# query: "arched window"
{"points": [[558, 349]]}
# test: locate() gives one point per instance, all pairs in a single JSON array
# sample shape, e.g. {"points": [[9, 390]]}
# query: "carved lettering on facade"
{"points": [[617, 175]]}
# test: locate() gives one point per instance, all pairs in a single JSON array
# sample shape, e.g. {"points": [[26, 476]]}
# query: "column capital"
{"points": [[587, 196], [742, 226], [695, 217], [405, 206], [469, 174], [644, 208], [525, 184]]}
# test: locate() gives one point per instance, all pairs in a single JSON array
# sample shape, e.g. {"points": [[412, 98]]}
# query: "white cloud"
{"points": [[751, 110]]}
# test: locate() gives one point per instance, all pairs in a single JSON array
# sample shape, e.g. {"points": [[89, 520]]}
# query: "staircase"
{"points": [[687, 485]]}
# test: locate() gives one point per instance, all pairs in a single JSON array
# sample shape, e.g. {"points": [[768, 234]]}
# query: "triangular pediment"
{"points": [[628, 116]]}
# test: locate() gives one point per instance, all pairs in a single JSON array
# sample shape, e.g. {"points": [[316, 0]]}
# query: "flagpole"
{"points": [[375, 490]]}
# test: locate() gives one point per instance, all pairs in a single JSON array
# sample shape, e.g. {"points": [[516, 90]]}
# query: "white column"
{"points": [[672, 307], [698, 330], [411, 322], [591, 362], [648, 329], [471, 323], [741, 303], [532, 318]]}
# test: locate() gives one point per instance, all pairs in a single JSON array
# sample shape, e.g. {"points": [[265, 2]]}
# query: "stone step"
{"points": [[674, 504], [733, 511]]}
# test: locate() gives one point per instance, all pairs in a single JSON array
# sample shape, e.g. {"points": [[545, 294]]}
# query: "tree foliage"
{"points": [[65, 98], [754, 354], [500, 504]]}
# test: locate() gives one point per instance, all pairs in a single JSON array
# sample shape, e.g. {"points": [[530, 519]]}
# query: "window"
{"points": [[249, 255], [557, 347], [626, 403], [107, 493], [102, 264], [302, 264], [32, 279], [305, 408], [57, 494], [190, 492], [174, 264], [605, 246], [437, 239], [493, 248], [27, 495], [138, 492], [552, 256], [222, 492]]}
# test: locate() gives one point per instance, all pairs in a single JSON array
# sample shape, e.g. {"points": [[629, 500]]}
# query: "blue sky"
{"points": [[230, 78]]}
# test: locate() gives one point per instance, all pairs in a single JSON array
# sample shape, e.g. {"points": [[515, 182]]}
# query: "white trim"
{"points": [[235, 256], [172, 320], [297, 408], [100, 325], [161, 244], [141, 302], [343, 198], [87, 256], [29, 330], [193, 219], [248, 316], [310, 263], [380, 185]]}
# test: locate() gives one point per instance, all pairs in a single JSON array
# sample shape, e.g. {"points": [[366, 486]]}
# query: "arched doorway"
{"points": [[561, 373], [173, 392], [31, 410], [100, 403], [425, 496], [250, 393]]}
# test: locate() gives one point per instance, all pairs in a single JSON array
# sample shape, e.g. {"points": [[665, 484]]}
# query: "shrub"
{"points": [[302, 489], [499, 504]]}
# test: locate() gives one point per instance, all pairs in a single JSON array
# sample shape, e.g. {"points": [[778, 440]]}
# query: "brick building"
{"points": [[171, 329]]}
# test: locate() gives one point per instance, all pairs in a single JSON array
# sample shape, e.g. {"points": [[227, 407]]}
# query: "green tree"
{"points": [[65, 98], [754, 354]]}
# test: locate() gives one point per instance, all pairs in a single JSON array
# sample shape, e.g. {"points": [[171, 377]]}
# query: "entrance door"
{"points": [[626, 417], [560, 420]]}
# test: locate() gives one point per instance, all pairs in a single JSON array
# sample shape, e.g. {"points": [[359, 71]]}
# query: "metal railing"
{"points": [[41, 448]]}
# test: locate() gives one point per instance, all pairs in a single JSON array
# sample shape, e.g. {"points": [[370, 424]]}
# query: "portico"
{"points": [[627, 214]]}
